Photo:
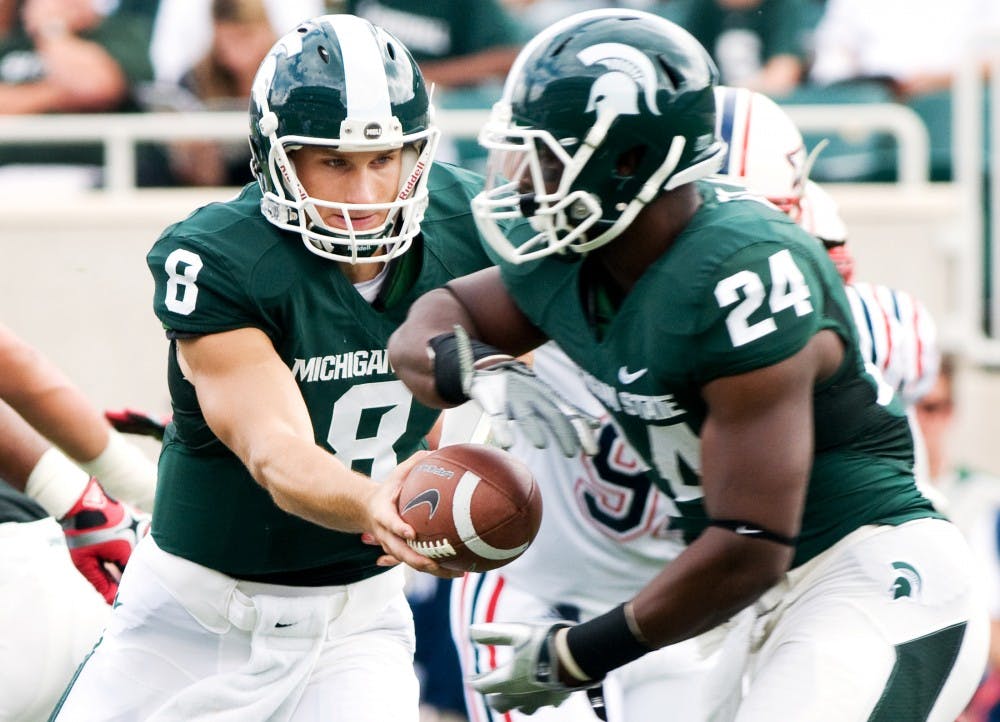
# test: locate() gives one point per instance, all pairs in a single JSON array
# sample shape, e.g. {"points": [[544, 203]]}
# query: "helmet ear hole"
{"points": [[630, 161]]}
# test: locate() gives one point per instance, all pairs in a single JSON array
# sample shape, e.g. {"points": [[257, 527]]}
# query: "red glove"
{"points": [[101, 534], [130, 421]]}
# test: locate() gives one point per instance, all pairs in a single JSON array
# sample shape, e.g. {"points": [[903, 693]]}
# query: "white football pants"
{"points": [[186, 643], [888, 625]]}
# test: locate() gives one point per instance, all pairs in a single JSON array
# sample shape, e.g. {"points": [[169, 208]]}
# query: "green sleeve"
{"points": [[197, 291], [763, 305]]}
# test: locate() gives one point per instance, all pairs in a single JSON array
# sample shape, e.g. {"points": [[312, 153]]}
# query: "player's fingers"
{"points": [[500, 431], [585, 433], [532, 424], [113, 571], [504, 703], [395, 478], [496, 633], [387, 560], [489, 682], [402, 552], [404, 468]]}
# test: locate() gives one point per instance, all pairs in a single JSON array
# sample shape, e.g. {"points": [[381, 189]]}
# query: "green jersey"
{"points": [[226, 267], [742, 287]]}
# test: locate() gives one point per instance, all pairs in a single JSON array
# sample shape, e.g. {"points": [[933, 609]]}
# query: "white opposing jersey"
{"points": [[603, 533], [898, 336]]}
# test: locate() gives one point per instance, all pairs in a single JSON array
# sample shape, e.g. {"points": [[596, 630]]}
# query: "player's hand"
{"points": [[511, 394], [130, 421], [530, 679], [387, 529], [101, 534]]}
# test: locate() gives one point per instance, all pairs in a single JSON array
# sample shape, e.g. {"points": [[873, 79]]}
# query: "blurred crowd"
{"points": [[74, 56]]}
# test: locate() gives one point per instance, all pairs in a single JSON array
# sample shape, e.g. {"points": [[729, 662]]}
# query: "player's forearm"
{"points": [[20, 448], [433, 314], [309, 482], [47, 400], [716, 577]]}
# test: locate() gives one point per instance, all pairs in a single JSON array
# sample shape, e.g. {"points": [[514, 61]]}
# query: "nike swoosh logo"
{"points": [[626, 378], [282, 625], [431, 497], [745, 530]]}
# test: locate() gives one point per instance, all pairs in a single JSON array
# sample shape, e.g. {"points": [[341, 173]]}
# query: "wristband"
{"points": [[604, 643], [56, 483], [565, 656], [125, 472], [448, 367]]}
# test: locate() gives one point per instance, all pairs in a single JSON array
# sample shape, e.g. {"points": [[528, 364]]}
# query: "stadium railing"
{"points": [[120, 134], [975, 142]]}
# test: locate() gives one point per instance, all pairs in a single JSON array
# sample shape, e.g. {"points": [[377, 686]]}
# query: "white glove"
{"points": [[510, 393], [530, 679]]}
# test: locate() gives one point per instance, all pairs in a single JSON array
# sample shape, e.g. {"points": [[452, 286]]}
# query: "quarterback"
{"points": [[257, 596], [718, 335]]}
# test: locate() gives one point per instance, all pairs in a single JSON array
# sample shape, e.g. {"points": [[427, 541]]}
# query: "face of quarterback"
{"points": [[363, 178]]}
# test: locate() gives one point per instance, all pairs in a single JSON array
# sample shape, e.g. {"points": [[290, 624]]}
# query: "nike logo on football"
{"points": [[431, 497], [626, 378]]}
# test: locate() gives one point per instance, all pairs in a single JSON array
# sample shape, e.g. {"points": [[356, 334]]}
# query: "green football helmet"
{"points": [[341, 82], [600, 114]]}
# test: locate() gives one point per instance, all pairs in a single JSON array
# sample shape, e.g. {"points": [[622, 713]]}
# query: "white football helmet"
{"points": [[766, 151], [821, 217]]}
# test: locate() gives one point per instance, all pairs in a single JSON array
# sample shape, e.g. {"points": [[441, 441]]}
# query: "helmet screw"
{"points": [[578, 211]]}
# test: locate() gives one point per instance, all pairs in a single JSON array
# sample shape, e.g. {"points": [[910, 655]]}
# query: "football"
{"points": [[473, 507]]}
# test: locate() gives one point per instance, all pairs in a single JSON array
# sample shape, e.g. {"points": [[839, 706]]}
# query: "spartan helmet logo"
{"points": [[630, 74]]}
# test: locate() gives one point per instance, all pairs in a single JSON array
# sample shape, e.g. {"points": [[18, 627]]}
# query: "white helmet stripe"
{"points": [[364, 70]]}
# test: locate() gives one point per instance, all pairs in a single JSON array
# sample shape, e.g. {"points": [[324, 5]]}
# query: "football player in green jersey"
{"points": [[257, 597], [718, 335]]}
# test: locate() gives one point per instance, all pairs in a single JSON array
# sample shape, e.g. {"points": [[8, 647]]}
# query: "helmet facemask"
{"points": [[566, 218], [291, 207], [523, 165]]}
